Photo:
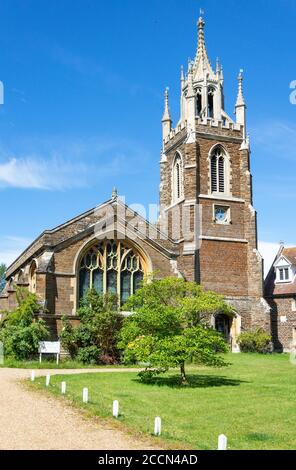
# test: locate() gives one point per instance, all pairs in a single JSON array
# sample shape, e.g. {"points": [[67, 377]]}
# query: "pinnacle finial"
{"points": [[202, 61], [166, 114], [240, 97], [114, 193], [182, 73], [201, 22]]}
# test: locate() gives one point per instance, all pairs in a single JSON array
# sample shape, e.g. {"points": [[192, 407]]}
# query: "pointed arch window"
{"points": [[178, 190], [33, 277], [218, 171], [211, 93], [111, 266], [198, 102]]}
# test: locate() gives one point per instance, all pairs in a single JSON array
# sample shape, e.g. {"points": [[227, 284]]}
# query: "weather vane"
{"points": [[201, 12]]}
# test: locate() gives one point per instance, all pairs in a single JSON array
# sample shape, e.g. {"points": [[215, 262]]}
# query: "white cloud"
{"points": [[41, 174], [60, 164], [268, 250], [11, 247]]}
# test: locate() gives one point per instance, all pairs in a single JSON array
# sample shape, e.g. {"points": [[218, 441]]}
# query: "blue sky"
{"points": [[84, 82]]}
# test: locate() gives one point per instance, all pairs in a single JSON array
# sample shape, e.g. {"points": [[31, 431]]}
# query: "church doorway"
{"points": [[223, 325]]}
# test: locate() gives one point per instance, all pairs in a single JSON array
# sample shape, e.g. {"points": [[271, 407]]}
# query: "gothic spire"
{"points": [[240, 96], [166, 114], [166, 119], [202, 63]]}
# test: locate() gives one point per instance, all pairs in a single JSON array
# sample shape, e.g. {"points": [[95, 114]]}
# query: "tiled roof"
{"points": [[271, 288], [290, 254]]}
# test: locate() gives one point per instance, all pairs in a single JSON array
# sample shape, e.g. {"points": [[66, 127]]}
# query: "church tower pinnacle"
{"points": [[240, 107], [166, 119], [202, 94]]}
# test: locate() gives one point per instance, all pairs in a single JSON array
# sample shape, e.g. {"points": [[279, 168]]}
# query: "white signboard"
{"points": [[49, 347]]}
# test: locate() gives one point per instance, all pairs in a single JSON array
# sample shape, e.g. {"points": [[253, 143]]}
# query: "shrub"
{"points": [[89, 355], [20, 332], [94, 341], [257, 341]]}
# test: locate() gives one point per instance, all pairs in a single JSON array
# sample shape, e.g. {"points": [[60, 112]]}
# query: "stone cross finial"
{"points": [[114, 193]]}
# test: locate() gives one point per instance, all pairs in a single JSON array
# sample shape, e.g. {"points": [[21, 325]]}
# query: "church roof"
{"points": [[85, 224]]}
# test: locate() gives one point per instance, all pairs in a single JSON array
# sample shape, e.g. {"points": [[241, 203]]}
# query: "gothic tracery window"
{"points": [[198, 102], [111, 266], [211, 93], [218, 171], [178, 190]]}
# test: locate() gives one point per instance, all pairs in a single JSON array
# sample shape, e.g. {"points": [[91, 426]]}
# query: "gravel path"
{"points": [[31, 421]]}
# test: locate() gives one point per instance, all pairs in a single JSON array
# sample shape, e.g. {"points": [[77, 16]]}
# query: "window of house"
{"points": [[177, 186], [218, 171], [283, 274], [113, 267]]}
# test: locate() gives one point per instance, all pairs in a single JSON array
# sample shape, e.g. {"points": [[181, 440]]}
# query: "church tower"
{"points": [[206, 184]]}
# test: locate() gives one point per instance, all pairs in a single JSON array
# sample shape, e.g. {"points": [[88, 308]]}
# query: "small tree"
{"points": [[2, 276], [20, 331], [95, 339], [170, 326]]}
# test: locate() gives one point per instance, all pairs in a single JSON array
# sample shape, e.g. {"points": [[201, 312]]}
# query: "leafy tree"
{"points": [[94, 340], [2, 276], [170, 326], [20, 331]]}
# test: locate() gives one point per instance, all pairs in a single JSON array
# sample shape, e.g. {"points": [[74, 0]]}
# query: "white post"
{"points": [[63, 388], [58, 359], [115, 409], [40, 358], [85, 395], [157, 426], [47, 382], [32, 376], [222, 442]]}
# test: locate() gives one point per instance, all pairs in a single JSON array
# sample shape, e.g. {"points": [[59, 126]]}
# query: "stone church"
{"points": [[207, 228]]}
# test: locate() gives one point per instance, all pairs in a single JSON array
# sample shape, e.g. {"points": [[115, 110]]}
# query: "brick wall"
{"points": [[283, 322]]}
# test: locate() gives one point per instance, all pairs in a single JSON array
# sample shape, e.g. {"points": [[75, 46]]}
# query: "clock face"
{"points": [[220, 214]]}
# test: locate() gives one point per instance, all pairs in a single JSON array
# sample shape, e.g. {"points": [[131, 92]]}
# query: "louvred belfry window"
{"points": [[218, 171], [177, 179], [111, 266]]}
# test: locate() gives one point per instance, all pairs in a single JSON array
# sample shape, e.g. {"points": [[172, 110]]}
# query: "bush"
{"points": [[20, 332], [89, 355], [257, 341], [94, 341]]}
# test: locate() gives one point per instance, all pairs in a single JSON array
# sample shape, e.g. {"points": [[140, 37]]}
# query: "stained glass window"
{"points": [[111, 266]]}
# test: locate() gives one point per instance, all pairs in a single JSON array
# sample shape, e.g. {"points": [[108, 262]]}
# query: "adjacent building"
{"points": [[280, 292]]}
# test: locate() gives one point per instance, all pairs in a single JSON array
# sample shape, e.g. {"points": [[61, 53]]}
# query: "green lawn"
{"points": [[253, 402], [51, 364]]}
